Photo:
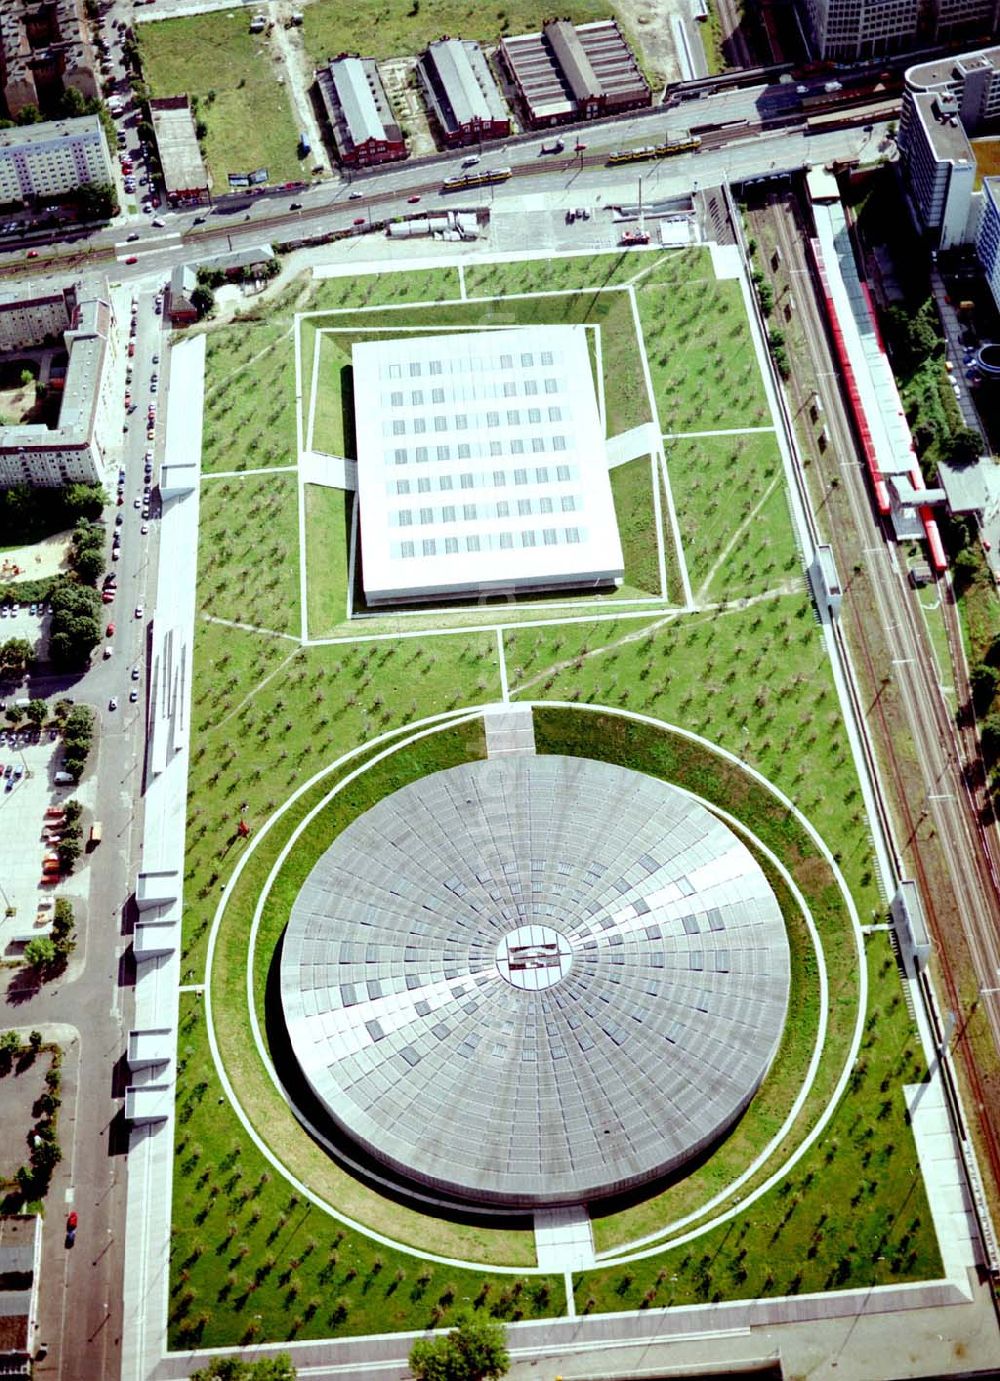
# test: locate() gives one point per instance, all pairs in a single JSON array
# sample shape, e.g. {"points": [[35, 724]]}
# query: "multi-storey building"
{"points": [[574, 72], [854, 30], [988, 238], [31, 321], [77, 448], [53, 158], [44, 48], [364, 129], [946, 103], [461, 94]]}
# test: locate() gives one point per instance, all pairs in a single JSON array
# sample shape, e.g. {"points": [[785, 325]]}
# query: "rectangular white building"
{"points": [[482, 466], [52, 158]]}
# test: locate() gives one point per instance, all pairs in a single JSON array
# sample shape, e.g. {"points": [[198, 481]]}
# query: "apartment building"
{"points": [[77, 448], [53, 158], [44, 48]]}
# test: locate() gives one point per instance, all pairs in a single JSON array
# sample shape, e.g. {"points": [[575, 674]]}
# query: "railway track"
{"points": [[951, 802]]}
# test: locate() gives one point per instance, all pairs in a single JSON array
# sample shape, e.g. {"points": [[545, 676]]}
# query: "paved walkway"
{"points": [[335, 472], [510, 730], [564, 1240], [643, 440]]}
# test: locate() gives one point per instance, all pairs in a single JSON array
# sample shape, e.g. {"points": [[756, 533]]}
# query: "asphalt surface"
{"points": [[80, 1313]]}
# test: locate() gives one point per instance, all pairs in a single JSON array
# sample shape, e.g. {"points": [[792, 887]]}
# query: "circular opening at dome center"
{"points": [[534, 957]]}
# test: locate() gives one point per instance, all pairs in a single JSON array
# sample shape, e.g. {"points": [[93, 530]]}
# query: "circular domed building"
{"points": [[529, 981]]}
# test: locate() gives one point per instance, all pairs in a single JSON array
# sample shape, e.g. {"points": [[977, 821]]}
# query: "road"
{"points": [[945, 820], [763, 144], [80, 1316]]}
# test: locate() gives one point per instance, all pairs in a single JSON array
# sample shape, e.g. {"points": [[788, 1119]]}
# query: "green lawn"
{"points": [[214, 58], [853, 1213], [572, 274], [396, 28], [327, 552], [249, 398], [502, 1243], [333, 419], [248, 546], [269, 714], [632, 487], [729, 493], [638, 746], [252, 1261]]}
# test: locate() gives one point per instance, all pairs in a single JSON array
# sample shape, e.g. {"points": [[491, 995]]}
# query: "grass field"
{"points": [[749, 671], [248, 567], [249, 398], [853, 1214], [632, 487], [214, 58], [396, 28], [327, 550], [730, 497]]}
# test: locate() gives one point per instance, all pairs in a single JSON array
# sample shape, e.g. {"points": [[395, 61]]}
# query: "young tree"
{"points": [[475, 1350], [40, 952]]}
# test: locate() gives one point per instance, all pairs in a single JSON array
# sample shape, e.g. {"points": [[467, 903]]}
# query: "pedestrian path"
{"points": [[335, 472], [638, 441], [944, 1178], [510, 730], [564, 1240]]}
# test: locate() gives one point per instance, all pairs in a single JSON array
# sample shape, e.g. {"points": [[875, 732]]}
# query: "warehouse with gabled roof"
{"points": [[461, 94], [365, 130], [574, 72]]}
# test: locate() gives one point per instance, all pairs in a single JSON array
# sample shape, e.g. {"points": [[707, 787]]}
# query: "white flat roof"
{"points": [[481, 464]]}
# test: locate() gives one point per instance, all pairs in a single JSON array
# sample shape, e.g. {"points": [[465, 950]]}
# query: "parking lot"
{"points": [[26, 791], [24, 621]]}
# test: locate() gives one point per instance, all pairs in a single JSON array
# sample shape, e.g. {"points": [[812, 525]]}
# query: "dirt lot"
{"points": [[648, 21], [19, 1088]]}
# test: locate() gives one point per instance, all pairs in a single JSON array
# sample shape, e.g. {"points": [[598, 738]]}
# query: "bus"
{"points": [[479, 178], [686, 144]]}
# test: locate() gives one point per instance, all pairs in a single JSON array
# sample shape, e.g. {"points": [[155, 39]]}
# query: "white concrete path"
{"points": [[944, 1178], [510, 730], [564, 1240], [643, 440], [335, 472]]}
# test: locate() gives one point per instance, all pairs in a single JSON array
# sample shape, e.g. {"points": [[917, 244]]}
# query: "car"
{"points": [[150, 433], [32, 608], [412, 199], [138, 611], [113, 703], [198, 220], [137, 502], [115, 554], [135, 673], [143, 181], [144, 515], [156, 359], [158, 221], [119, 519], [355, 196], [147, 210], [8, 769], [144, 529], [108, 596], [295, 206], [148, 458], [154, 377], [32, 253], [110, 630], [120, 500], [153, 386], [359, 220], [128, 399], [133, 696], [132, 259], [131, 344], [471, 161]]}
